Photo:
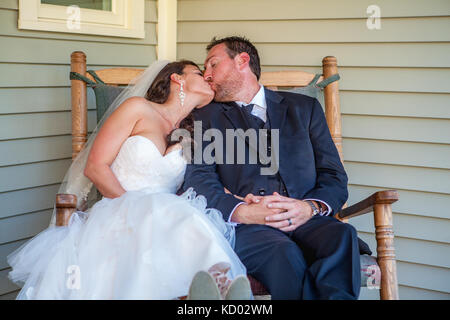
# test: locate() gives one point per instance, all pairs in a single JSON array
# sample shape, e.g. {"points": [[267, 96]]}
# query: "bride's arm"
{"points": [[116, 129]]}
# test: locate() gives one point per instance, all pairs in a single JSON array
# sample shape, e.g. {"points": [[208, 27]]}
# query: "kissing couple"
{"points": [[167, 228]]}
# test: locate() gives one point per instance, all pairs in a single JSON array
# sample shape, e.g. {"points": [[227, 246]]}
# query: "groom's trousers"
{"points": [[318, 260]]}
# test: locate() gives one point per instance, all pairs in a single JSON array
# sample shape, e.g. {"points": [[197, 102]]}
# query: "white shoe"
{"points": [[239, 289], [203, 287]]}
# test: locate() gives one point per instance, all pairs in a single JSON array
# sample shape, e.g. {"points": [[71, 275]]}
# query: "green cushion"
{"points": [[104, 96], [314, 89]]}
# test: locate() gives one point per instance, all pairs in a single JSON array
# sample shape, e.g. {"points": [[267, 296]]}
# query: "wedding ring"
{"points": [[290, 222]]}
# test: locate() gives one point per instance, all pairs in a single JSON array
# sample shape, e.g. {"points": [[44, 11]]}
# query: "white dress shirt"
{"points": [[260, 105], [260, 110]]}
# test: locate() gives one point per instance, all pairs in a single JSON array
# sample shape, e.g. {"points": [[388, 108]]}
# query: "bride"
{"points": [[141, 240]]}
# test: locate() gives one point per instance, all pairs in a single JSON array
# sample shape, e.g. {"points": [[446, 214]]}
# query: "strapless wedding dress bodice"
{"points": [[146, 244], [140, 166]]}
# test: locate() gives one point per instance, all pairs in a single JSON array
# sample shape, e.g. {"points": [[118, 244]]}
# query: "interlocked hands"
{"points": [[275, 210]]}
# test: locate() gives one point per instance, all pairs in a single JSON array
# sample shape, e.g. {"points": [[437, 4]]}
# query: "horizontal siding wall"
{"points": [[35, 120], [395, 103]]}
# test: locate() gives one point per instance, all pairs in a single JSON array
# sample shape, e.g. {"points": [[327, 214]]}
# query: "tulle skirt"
{"points": [[138, 246]]}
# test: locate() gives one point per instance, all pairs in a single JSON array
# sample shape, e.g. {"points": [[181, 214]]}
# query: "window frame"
{"points": [[126, 19]]}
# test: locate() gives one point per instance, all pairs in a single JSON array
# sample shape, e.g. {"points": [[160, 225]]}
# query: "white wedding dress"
{"points": [[146, 244]]}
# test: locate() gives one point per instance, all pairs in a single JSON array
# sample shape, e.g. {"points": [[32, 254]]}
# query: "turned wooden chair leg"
{"points": [[79, 103], [386, 251], [66, 204]]}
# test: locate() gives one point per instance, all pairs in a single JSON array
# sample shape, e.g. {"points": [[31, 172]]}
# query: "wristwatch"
{"points": [[313, 207]]}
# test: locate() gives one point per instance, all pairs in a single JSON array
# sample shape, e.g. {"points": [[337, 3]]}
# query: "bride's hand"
{"points": [[249, 198], [228, 192]]}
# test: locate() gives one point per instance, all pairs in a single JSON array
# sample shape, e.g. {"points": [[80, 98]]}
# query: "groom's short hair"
{"points": [[236, 45]]}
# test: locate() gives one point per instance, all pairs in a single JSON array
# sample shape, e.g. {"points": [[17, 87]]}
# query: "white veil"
{"points": [[74, 181]]}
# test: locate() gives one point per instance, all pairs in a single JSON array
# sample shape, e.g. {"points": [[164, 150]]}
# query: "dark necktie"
{"points": [[255, 119], [248, 108]]}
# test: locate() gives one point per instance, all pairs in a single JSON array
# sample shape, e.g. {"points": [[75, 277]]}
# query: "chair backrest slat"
{"points": [[286, 78], [117, 76]]}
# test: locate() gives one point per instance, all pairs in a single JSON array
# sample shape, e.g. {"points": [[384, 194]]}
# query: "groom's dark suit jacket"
{"points": [[309, 164]]}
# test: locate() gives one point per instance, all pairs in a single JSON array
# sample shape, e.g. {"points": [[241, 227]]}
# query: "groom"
{"points": [[285, 233]]}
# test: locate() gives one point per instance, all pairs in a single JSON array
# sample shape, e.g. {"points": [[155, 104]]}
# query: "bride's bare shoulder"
{"points": [[137, 102], [135, 105]]}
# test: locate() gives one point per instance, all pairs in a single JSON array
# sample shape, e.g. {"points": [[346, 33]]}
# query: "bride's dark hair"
{"points": [[160, 89]]}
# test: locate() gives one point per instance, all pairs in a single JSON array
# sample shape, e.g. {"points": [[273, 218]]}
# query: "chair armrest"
{"points": [[66, 204], [366, 205]]}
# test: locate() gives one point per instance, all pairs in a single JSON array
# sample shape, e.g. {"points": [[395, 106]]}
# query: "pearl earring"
{"points": [[182, 94]]}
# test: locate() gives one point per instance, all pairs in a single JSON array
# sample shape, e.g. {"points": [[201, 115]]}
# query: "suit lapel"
{"points": [[234, 114], [276, 113], [275, 110]]}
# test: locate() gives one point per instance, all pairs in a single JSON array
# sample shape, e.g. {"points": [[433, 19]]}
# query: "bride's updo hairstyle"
{"points": [[160, 89]]}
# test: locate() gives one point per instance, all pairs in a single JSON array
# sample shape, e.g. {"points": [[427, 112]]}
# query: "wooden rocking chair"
{"points": [[380, 203]]}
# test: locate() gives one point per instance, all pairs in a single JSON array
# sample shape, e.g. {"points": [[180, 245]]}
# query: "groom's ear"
{"points": [[243, 59]]}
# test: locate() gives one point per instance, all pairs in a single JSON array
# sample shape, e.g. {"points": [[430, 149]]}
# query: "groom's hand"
{"points": [[295, 212], [254, 211]]}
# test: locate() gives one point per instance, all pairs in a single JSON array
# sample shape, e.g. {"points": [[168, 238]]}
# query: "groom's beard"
{"points": [[227, 90]]}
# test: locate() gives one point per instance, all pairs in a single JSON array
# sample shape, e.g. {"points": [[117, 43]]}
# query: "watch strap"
{"points": [[313, 207]]}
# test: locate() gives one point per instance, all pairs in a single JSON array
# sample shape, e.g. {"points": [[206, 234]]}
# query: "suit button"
{"points": [[262, 191]]}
